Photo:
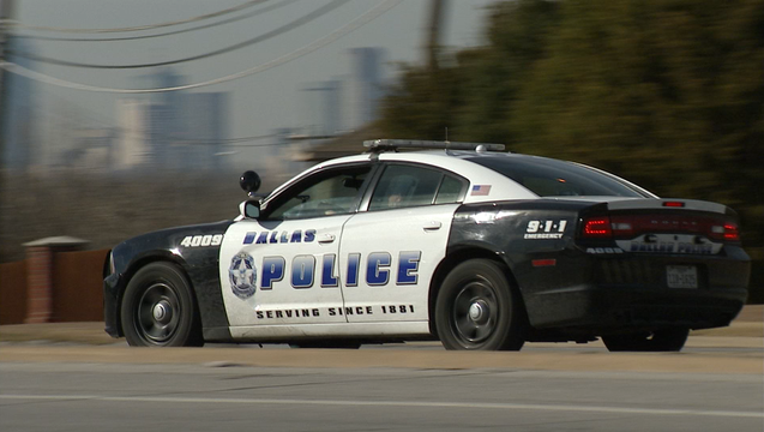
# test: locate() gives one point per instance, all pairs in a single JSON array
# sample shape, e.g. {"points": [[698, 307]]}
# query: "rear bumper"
{"points": [[607, 295], [599, 310], [111, 289]]}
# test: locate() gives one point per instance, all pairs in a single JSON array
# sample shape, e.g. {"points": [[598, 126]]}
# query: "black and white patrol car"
{"points": [[478, 248]]}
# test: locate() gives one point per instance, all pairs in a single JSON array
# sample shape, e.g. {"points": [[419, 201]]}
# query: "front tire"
{"points": [[158, 308], [659, 340], [477, 309]]}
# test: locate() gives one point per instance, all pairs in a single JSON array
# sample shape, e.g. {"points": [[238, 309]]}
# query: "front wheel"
{"points": [[659, 340], [477, 309], [158, 308]]}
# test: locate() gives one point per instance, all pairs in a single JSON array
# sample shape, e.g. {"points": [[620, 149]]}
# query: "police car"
{"points": [[461, 242]]}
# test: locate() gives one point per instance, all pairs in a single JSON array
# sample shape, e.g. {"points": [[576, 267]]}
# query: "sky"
{"points": [[259, 103]]}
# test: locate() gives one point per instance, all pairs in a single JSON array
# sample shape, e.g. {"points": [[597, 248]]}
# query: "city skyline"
{"points": [[258, 104], [188, 130]]}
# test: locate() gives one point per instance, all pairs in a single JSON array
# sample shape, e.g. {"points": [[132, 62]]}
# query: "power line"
{"points": [[283, 29], [315, 45], [170, 33], [17, 24]]}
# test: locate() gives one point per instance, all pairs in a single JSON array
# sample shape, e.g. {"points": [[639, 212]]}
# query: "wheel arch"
{"points": [[141, 262], [458, 255]]}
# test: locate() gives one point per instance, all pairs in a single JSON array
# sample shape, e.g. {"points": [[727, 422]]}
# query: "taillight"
{"points": [[597, 227], [727, 231], [629, 226], [731, 232]]}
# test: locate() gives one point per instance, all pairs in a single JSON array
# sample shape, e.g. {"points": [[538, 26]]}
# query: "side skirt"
{"points": [[287, 332]]}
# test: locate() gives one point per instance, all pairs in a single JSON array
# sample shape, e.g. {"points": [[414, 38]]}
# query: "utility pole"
{"points": [[437, 11], [6, 14]]}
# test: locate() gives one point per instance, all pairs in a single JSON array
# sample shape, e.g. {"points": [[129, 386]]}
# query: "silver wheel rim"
{"points": [[158, 314], [475, 312]]}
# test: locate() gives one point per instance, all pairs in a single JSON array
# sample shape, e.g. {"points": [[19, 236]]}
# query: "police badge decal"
{"points": [[243, 275]]}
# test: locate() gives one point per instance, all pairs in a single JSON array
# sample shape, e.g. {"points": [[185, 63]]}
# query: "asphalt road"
{"points": [[61, 377], [130, 397]]}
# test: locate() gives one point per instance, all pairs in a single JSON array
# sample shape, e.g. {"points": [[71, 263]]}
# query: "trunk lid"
{"points": [[671, 226]]}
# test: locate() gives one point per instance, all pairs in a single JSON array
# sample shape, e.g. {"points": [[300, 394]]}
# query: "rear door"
{"points": [[389, 252]]}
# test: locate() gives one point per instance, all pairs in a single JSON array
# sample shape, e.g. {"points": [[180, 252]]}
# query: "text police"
{"points": [[378, 270], [379, 265]]}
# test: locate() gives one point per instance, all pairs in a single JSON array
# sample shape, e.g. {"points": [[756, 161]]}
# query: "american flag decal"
{"points": [[480, 190]]}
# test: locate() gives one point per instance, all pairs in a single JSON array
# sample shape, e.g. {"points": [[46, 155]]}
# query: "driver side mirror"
{"points": [[250, 209]]}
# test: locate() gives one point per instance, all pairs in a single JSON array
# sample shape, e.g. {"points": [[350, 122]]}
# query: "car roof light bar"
{"points": [[380, 145]]}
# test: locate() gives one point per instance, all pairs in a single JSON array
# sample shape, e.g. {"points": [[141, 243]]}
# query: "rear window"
{"points": [[549, 177]]}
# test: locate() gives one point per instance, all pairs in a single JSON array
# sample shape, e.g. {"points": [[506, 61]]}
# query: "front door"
{"points": [[282, 269]]}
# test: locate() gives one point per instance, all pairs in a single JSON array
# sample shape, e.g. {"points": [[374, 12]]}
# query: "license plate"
{"points": [[682, 276]]}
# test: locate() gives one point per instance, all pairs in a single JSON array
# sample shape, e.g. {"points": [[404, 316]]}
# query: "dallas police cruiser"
{"points": [[461, 242]]}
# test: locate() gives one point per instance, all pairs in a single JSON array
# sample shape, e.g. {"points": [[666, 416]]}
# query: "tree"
{"points": [[473, 91], [667, 93]]}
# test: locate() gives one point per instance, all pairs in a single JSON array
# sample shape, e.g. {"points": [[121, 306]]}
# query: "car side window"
{"points": [[403, 186], [323, 194], [449, 191]]}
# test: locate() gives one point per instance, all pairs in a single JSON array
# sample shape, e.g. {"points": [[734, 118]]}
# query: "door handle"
{"points": [[432, 226], [327, 238]]}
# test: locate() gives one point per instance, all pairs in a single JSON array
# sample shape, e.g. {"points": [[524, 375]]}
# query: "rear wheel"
{"points": [[477, 309], [158, 308], [659, 340]]}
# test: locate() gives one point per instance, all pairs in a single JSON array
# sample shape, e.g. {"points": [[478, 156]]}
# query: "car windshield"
{"points": [[549, 177]]}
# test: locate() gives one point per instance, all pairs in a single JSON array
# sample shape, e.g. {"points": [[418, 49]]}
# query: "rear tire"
{"points": [[477, 309], [659, 340], [158, 308]]}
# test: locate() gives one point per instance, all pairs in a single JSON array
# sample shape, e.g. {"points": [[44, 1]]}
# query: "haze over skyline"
{"points": [[260, 103]]}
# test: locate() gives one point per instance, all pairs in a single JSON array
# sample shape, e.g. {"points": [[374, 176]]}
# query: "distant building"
{"points": [[20, 136], [323, 104], [93, 149], [172, 131], [205, 129], [339, 108], [132, 145], [365, 87]]}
